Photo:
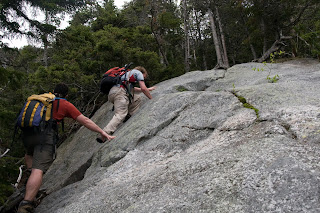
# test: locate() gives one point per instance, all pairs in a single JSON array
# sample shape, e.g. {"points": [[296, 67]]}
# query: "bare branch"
{"points": [[275, 47], [303, 40]]}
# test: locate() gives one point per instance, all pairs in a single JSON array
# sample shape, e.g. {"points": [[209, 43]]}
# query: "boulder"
{"points": [[208, 141]]}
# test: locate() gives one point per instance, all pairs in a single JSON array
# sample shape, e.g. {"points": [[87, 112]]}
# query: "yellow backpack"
{"points": [[36, 111]]}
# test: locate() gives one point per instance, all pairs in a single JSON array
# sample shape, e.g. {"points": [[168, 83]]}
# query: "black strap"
{"points": [[58, 104], [126, 86], [62, 125], [127, 66], [128, 92], [44, 126]]}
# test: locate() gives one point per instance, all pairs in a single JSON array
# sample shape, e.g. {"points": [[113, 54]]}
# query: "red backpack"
{"points": [[112, 77]]}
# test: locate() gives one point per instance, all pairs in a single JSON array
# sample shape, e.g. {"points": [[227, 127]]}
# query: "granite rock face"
{"points": [[195, 147]]}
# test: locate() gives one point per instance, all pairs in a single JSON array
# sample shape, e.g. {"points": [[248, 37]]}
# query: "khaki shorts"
{"points": [[41, 147]]}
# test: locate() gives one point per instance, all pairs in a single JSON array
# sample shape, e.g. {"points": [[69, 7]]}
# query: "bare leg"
{"points": [[33, 184]]}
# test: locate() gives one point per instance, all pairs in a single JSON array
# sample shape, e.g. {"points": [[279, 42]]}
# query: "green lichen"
{"points": [[249, 106], [246, 104], [242, 99], [181, 89]]}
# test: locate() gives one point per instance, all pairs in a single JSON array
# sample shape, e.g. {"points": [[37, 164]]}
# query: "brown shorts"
{"points": [[41, 147]]}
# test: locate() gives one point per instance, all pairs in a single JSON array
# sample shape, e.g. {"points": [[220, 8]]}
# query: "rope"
{"points": [[20, 176], [4, 153]]}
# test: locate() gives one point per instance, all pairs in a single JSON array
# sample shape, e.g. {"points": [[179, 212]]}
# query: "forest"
{"points": [[167, 37]]}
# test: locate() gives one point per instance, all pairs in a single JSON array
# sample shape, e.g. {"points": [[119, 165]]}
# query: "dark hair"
{"points": [[61, 90]]}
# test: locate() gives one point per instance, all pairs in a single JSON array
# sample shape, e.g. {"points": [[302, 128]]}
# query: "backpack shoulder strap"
{"points": [[58, 102], [57, 108], [126, 85]]}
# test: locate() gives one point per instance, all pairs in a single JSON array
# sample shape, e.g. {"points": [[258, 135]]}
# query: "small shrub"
{"points": [[275, 78]]}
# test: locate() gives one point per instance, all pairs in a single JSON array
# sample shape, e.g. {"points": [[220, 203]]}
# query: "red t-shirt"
{"points": [[66, 109]]}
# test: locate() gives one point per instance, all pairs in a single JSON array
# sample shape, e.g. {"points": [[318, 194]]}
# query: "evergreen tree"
{"points": [[14, 14]]}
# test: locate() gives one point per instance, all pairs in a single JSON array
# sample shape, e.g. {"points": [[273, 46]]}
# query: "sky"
{"points": [[20, 42]]}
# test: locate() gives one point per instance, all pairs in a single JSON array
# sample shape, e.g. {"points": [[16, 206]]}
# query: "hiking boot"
{"points": [[26, 206], [100, 140], [126, 118]]}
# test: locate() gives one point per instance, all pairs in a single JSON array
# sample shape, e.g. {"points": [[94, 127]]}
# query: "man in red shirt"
{"points": [[40, 149]]}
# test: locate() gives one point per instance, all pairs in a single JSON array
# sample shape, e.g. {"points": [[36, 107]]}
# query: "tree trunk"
{"points": [[45, 50], [253, 51], [293, 43], [187, 42], [157, 35], [224, 47], [263, 28], [200, 43], [215, 40], [159, 42], [45, 43]]}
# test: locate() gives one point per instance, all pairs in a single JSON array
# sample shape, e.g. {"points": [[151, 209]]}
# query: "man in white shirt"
{"points": [[125, 98]]}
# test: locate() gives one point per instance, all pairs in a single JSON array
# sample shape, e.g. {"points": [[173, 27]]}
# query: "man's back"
{"points": [[133, 76], [63, 108]]}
